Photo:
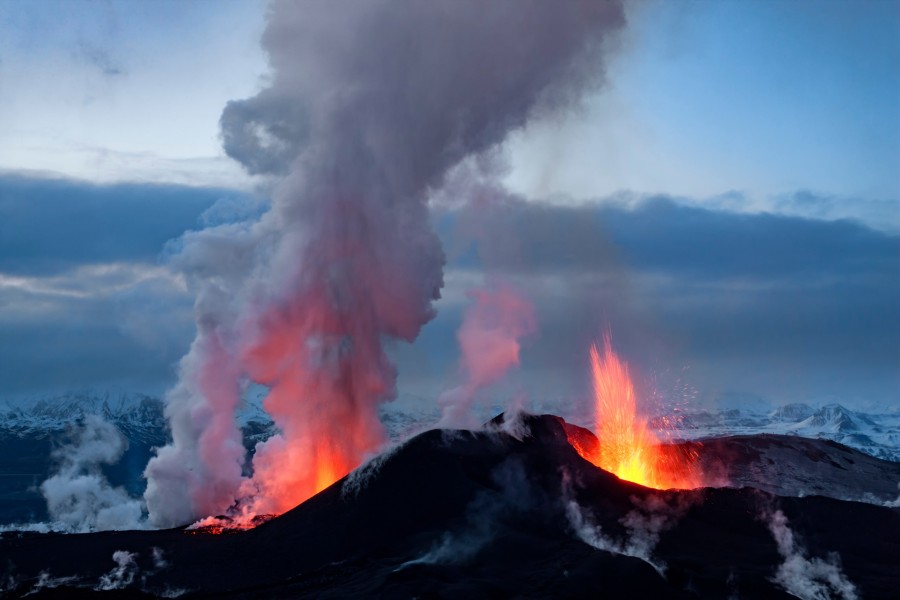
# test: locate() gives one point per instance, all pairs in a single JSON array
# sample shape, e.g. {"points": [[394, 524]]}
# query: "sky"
{"points": [[727, 201]]}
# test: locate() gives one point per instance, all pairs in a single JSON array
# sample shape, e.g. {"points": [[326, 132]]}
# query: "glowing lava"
{"points": [[627, 447]]}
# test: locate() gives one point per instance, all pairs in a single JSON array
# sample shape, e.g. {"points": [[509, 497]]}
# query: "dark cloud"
{"points": [[130, 339], [50, 225], [84, 300], [659, 234], [777, 306], [879, 213], [782, 307]]}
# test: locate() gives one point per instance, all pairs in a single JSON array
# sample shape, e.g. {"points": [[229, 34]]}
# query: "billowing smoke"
{"points": [[369, 104], [79, 497], [489, 340], [804, 577]]}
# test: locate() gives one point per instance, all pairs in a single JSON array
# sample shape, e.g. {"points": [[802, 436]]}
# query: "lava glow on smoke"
{"points": [[627, 446]]}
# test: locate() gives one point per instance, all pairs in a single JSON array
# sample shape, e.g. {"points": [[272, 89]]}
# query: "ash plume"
{"points": [[369, 104], [79, 497]]}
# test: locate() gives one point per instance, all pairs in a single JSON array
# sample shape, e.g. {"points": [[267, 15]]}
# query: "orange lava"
{"points": [[225, 525], [627, 446]]}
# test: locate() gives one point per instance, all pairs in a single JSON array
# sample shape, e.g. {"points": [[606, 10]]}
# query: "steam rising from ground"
{"points": [[79, 497], [370, 103], [651, 516], [122, 574], [807, 578]]}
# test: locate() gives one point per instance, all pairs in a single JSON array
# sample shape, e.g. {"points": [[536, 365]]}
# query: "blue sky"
{"points": [[718, 161]]}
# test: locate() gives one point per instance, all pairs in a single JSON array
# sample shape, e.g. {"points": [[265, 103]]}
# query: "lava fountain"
{"points": [[627, 446]]}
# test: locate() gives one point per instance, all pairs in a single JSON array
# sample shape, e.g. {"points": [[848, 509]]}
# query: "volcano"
{"points": [[511, 510]]}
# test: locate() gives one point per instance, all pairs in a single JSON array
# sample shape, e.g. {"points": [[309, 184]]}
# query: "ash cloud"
{"points": [[370, 104]]}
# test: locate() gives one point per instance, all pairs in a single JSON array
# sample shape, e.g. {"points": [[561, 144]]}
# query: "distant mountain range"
{"points": [[29, 429], [877, 435], [140, 418]]}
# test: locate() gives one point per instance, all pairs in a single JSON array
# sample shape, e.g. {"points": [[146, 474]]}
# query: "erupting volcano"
{"points": [[627, 447], [314, 419]]}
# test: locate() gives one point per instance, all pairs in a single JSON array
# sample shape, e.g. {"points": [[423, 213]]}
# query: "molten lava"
{"points": [[627, 446]]}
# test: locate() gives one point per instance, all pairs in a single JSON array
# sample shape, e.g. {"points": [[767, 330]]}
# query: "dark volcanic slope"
{"points": [[463, 515], [791, 465]]}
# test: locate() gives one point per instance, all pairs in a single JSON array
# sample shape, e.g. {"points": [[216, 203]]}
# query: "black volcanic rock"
{"points": [[791, 465], [496, 513]]}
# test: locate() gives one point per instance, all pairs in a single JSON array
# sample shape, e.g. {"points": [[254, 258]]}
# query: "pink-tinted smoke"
{"points": [[369, 104], [489, 340]]}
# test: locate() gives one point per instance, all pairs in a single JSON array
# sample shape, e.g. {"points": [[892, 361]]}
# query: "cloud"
{"points": [[89, 294], [876, 213], [809, 302], [660, 233], [50, 225]]}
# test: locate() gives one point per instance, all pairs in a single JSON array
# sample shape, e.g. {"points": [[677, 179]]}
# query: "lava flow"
{"points": [[627, 447]]}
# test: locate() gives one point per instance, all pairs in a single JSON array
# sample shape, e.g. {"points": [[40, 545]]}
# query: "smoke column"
{"points": [[369, 104], [489, 341]]}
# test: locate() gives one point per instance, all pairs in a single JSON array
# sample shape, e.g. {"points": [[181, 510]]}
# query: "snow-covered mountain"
{"points": [[141, 419], [138, 416], [875, 434]]}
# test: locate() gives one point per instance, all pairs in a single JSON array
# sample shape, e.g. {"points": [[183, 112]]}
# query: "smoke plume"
{"points": [[489, 341], [79, 497], [369, 104]]}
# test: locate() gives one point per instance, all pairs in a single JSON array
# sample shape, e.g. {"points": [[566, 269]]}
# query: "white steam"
{"points": [[123, 573], [651, 516], [79, 497], [46, 581], [804, 577]]}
